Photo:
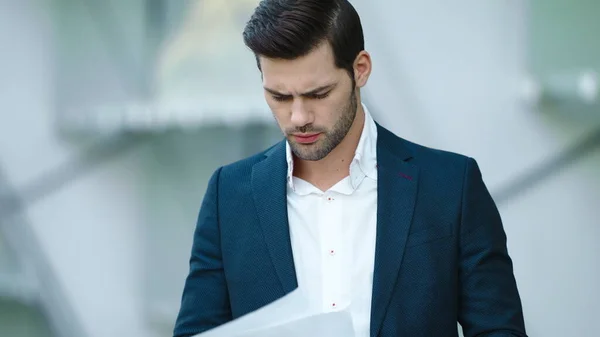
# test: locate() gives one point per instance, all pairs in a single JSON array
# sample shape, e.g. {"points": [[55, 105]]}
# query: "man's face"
{"points": [[313, 101]]}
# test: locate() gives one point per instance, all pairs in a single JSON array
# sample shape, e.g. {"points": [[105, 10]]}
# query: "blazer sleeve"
{"points": [[205, 299], [489, 303]]}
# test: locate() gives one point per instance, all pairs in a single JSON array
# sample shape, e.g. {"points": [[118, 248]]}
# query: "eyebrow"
{"points": [[309, 93]]}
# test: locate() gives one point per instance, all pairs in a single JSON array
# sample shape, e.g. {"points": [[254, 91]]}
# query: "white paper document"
{"points": [[289, 316]]}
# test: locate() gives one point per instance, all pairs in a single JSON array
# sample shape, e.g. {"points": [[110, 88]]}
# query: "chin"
{"points": [[312, 155]]}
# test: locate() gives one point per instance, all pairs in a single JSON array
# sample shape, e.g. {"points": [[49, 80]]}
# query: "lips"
{"points": [[307, 139]]}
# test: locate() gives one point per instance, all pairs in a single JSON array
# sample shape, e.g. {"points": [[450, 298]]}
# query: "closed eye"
{"points": [[281, 98], [318, 96]]}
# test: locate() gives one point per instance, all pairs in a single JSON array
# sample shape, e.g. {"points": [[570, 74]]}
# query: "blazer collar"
{"points": [[396, 197], [269, 193]]}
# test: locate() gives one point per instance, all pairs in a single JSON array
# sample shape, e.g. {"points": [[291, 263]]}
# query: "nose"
{"points": [[301, 115]]}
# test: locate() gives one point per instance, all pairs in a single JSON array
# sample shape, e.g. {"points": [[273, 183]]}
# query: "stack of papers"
{"points": [[289, 316]]}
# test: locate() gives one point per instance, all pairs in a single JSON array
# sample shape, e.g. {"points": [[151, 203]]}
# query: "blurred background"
{"points": [[115, 113]]}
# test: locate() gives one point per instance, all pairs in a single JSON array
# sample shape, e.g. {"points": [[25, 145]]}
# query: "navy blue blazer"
{"points": [[440, 257]]}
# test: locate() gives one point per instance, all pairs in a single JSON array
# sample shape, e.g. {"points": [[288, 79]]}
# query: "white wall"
{"points": [[553, 232], [447, 75], [88, 230]]}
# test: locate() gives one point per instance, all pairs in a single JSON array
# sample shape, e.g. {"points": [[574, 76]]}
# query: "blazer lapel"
{"points": [[396, 194], [269, 191]]}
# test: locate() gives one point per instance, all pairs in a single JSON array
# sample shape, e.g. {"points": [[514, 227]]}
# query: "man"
{"points": [[408, 238]]}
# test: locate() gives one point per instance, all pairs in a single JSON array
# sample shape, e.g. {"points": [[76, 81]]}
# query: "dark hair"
{"points": [[288, 29]]}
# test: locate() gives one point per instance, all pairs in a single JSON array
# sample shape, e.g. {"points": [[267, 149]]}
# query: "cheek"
{"points": [[331, 110], [280, 114]]}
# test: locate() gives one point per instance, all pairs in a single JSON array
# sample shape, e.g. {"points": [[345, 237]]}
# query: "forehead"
{"points": [[312, 70]]}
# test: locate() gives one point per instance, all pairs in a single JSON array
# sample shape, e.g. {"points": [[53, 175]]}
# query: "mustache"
{"points": [[309, 128]]}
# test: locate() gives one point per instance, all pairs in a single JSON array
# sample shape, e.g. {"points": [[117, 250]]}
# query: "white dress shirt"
{"points": [[333, 234]]}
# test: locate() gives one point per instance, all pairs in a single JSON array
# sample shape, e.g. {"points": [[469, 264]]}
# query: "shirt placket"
{"points": [[332, 251]]}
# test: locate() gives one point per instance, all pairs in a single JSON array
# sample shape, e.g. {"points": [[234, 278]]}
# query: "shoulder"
{"points": [[426, 158], [443, 174]]}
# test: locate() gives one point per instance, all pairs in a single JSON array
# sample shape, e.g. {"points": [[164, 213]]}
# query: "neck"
{"points": [[330, 170]]}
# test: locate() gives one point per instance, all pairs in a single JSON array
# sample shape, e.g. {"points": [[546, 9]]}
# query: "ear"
{"points": [[362, 68]]}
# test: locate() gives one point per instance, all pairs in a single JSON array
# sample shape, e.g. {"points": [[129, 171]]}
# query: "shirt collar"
{"points": [[364, 163]]}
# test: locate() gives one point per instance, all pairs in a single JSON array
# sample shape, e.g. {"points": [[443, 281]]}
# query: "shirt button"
{"points": [[332, 252], [333, 305]]}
